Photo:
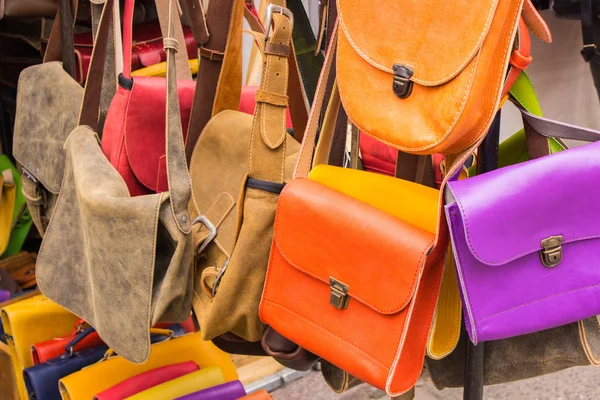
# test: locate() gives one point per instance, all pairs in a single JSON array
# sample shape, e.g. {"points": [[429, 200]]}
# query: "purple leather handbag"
{"points": [[526, 238], [227, 391]]}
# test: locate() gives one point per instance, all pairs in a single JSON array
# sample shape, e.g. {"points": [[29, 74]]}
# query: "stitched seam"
{"points": [[470, 56], [170, 149], [195, 154], [402, 305], [217, 199], [452, 125], [502, 262], [462, 279], [538, 17], [484, 127], [538, 300], [424, 339], [329, 332], [585, 344]]}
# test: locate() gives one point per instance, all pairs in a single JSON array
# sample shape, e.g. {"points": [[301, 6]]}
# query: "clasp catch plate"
{"points": [[551, 255], [339, 294]]}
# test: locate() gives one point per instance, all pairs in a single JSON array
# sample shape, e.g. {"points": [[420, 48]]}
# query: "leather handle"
{"points": [[162, 7], [82, 335], [92, 95], [197, 20], [61, 42], [268, 139], [555, 129], [180, 186], [310, 134]]}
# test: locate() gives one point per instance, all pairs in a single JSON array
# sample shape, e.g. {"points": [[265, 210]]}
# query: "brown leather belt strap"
{"points": [[415, 168], [60, 43], [218, 21]]}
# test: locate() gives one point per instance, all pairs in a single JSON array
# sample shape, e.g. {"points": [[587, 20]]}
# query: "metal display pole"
{"points": [[487, 160]]}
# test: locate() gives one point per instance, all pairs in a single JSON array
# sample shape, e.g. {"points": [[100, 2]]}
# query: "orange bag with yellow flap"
{"points": [[433, 72]]}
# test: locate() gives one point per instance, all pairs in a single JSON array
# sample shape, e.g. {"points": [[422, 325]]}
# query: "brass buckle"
{"points": [[551, 255], [271, 8], [339, 294]]}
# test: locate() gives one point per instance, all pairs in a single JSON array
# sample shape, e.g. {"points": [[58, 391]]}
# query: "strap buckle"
{"points": [[273, 8], [212, 231]]}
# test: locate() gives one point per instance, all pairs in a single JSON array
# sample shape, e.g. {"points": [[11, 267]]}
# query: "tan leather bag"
{"points": [[432, 71], [121, 263], [48, 104], [239, 166]]}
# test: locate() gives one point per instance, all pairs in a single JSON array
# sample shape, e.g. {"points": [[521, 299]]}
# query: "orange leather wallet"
{"points": [[432, 72]]}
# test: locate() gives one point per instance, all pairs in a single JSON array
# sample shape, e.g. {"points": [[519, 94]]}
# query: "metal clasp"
{"points": [[402, 84], [551, 256], [271, 8], [339, 294], [212, 231]]}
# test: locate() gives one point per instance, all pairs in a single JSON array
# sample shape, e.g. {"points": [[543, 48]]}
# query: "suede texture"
{"points": [[233, 147], [524, 356], [8, 386], [128, 263], [48, 102]]}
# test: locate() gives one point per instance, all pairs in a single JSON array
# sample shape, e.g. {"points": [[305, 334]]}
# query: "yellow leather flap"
{"points": [[35, 320], [435, 38], [408, 201]]}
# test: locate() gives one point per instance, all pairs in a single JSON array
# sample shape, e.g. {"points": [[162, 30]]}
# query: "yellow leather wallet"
{"points": [[30, 321], [96, 378], [186, 384]]}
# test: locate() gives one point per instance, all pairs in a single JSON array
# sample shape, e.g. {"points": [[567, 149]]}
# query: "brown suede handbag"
{"points": [[128, 262], [238, 167]]}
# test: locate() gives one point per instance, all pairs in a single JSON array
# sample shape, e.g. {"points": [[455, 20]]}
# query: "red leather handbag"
{"points": [[147, 380], [133, 138], [44, 351], [147, 47]]}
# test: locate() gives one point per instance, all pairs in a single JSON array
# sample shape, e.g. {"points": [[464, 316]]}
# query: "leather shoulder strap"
{"points": [[268, 139]]}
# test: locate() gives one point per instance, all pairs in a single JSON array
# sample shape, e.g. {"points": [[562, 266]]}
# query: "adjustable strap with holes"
{"points": [[268, 139]]}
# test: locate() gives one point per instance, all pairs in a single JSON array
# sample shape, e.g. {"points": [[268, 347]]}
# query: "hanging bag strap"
{"points": [[61, 45], [268, 139]]}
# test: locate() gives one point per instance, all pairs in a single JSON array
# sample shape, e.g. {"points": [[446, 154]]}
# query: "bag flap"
{"points": [[48, 103], [435, 38], [325, 233], [508, 212], [145, 128]]}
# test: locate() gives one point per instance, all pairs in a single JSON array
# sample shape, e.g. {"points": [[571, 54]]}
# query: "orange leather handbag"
{"points": [[355, 266], [433, 72]]}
